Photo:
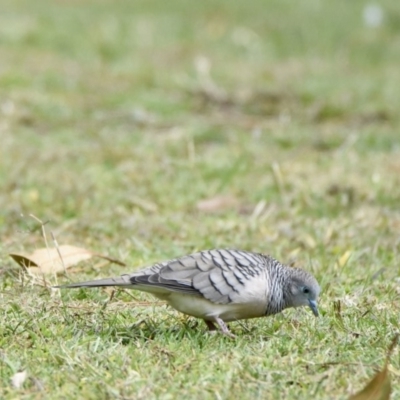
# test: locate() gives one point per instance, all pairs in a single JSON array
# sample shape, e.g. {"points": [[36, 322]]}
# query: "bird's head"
{"points": [[303, 290]]}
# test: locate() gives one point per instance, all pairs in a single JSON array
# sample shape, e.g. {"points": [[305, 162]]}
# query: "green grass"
{"points": [[118, 117]]}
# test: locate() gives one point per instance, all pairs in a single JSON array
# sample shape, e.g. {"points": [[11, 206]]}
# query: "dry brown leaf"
{"points": [[217, 203], [379, 388], [55, 260]]}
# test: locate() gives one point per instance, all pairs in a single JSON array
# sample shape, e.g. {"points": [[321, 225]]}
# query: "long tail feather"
{"points": [[120, 281]]}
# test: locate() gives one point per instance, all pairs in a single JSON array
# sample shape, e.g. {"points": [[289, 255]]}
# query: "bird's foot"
{"points": [[223, 327]]}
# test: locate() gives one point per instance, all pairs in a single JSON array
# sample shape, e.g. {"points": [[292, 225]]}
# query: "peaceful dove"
{"points": [[219, 286]]}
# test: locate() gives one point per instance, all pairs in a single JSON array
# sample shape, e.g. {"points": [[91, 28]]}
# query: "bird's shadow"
{"points": [[119, 328], [148, 329]]}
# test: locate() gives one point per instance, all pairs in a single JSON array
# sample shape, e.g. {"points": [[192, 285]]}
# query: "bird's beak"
{"points": [[313, 306]]}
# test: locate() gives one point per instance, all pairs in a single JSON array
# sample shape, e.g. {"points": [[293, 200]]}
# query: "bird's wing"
{"points": [[220, 276]]}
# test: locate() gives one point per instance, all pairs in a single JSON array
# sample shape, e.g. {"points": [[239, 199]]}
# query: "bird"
{"points": [[221, 285]]}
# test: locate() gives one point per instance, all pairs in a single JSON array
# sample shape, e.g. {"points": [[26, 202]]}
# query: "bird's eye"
{"points": [[306, 290]]}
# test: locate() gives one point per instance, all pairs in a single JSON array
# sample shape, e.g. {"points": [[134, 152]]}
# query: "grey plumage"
{"points": [[222, 285]]}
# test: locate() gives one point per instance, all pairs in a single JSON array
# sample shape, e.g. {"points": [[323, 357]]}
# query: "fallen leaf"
{"points": [[344, 258], [18, 379], [309, 241], [145, 205], [55, 260], [217, 203], [379, 388]]}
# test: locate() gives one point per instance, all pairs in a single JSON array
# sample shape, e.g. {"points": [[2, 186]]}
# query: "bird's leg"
{"points": [[210, 325], [223, 327]]}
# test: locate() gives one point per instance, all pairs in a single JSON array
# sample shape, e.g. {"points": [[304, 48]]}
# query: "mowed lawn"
{"points": [[145, 130]]}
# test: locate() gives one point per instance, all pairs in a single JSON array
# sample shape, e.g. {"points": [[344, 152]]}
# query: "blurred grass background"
{"points": [[146, 130]]}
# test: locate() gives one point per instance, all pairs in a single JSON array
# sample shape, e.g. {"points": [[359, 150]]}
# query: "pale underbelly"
{"points": [[202, 308]]}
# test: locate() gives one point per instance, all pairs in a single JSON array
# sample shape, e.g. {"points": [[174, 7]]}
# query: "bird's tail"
{"points": [[120, 281]]}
